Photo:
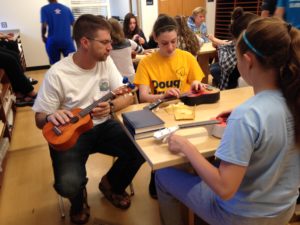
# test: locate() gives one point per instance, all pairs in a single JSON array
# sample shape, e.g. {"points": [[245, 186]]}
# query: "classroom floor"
{"points": [[27, 196]]}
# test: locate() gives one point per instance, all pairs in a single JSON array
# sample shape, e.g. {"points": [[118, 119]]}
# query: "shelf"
{"points": [[223, 14]]}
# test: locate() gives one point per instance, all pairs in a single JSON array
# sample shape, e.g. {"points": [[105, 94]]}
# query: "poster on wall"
{"points": [[149, 2]]}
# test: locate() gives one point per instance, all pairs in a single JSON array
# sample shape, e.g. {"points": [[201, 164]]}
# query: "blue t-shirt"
{"points": [[59, 19], [202, 30], [292, 11], [260, 136]]}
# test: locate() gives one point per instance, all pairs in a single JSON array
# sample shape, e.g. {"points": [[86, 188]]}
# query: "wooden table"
{"points": [[156, 153], [206, 52]]}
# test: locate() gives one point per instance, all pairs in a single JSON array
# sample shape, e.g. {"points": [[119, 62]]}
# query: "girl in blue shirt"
{"points": [[258, 177]]}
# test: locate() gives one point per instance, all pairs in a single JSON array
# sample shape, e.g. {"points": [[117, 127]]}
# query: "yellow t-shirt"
{"points": [[162, 73]]}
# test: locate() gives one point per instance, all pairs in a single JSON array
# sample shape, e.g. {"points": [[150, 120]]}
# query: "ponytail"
{"points": [[289, 80], [276, 45]]}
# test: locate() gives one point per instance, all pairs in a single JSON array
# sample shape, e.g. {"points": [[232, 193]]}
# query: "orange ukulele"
{"points": [[63, 137]]}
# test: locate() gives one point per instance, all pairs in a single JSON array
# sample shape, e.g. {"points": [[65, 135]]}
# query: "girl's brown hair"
{"points": [[240, 20], [117, 34], [276, 45], [187, 39], [129, 34], [164, 23]]}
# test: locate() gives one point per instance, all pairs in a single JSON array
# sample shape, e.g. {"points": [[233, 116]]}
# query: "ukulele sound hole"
{"points": [[74, 119]]}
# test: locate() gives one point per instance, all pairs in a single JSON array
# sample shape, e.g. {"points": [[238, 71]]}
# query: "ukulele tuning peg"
{"points": [[125, 80], [131, 86]]}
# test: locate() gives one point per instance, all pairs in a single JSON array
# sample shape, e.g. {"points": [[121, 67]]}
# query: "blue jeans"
{"points": [[174, 186], [108, 138]]}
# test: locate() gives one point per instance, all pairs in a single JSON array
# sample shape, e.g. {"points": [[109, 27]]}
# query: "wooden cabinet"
{"points": [[224, 8], [7, 114], [179, 7]]}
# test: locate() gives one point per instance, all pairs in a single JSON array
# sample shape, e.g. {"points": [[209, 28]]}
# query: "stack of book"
{"points": [[142, 123]]}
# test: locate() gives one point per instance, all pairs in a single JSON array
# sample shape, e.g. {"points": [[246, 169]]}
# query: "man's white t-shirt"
{"points": [[67, 86]]}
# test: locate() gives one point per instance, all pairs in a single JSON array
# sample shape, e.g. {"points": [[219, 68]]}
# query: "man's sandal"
{"points": [[121, 201], [83, 216]]}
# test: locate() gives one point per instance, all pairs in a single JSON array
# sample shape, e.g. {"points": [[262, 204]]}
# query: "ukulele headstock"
{"points": [[128, 87]]}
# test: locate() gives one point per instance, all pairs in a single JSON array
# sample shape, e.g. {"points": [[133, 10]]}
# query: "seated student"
{"points": [[23, 89], [9, 42], [133, 31], [122, 49], [259, 174], [167, 72], [186, 39], [196, 23], [76, 82], [225, 73]]}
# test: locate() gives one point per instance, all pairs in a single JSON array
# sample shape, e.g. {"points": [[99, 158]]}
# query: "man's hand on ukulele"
{"points": [[172, 92], [60, 117], [102, 110]]}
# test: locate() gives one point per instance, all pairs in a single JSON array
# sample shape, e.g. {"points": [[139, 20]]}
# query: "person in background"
{"points": [[76, 82], [258, 177], [122, 50], [197, 24], [21, 85], [166, 72], [133, 31], [268, 8], [289, 10], [186, 39], [8, 41], [225, 73], [57, 20]]}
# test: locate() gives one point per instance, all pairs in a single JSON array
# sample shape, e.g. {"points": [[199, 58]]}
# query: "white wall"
{"points": [[119, 8]]}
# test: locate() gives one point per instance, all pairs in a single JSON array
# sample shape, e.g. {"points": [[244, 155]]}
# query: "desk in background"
{"points": [[206, 52], [157, 154]]}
